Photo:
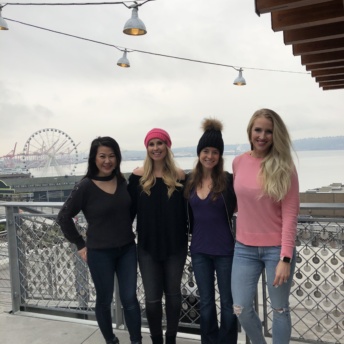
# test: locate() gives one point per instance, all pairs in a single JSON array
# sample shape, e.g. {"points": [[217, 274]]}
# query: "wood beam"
{"points": [[321, 66], [266, 6], [330, 45], [315, 29], [331, 83], [332, 88], [319, 14], [320, 58], [327, 72], [314, 33], [329, 78]]}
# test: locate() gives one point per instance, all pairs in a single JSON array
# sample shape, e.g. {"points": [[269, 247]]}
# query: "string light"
{"points": [[153, 53], [123, 61], [3, 24], [134, 26], [73, 3]]}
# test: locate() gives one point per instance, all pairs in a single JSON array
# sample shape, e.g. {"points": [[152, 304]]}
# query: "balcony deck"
{"points": [[316, 297], [33, 328], [29, 328]]}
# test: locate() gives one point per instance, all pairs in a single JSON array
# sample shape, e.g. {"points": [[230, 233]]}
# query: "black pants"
{"points": [[158, 278], [103, 265]]}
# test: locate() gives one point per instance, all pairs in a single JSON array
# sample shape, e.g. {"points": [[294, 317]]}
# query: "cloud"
{"points": [[51, 80], [19, 117]]}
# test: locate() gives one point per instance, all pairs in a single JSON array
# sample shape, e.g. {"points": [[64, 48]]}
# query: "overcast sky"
{"points": [[49, 80]]}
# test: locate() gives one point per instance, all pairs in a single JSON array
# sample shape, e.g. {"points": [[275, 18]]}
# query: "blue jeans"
{"points": [[248, 265], [103, 265], [204, 267], [160, 277]]}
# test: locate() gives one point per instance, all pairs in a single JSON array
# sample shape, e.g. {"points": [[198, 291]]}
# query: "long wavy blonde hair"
{"points": [[277, 167], [170, 174]]}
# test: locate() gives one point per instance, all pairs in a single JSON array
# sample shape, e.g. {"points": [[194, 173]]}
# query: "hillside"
{"points": [[307, 144], [320, 143]]}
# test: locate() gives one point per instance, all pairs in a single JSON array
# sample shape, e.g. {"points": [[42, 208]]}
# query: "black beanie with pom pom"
{"points": [[212, 136]]}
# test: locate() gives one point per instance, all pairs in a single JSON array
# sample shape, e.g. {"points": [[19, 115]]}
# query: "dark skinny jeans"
{"points": [[205, 267], [103, 265], [160, 277]]}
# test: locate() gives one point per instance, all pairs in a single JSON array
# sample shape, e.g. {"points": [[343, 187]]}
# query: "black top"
{"points": [[230, 201], [161, 221], [107, 215]]}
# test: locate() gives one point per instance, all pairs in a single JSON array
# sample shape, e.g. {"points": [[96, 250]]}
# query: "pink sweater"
{"points": [[262, 221]]}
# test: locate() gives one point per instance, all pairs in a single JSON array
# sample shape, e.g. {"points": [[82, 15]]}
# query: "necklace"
{"points": [[104, 179]]}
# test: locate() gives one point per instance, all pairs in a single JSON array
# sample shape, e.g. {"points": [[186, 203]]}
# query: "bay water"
{"points": [[315, 168]]}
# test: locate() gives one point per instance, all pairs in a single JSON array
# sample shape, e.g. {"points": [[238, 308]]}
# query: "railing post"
{"points": [[81, 282], [13, 258]]}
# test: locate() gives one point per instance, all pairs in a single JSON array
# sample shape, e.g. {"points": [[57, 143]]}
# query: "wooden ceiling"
{"points": [[315, 29]]}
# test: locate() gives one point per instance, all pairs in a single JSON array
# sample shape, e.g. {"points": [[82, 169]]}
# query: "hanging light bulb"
{"points": [[240, 81], [134, 26], [123, 61], [3, 24]]}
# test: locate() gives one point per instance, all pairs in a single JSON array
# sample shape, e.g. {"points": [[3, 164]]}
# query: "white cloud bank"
{"points": [[54, 81]]}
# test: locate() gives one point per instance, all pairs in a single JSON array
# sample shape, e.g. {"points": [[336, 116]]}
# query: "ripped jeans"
{"points": [[248, 265], [162, 277]]}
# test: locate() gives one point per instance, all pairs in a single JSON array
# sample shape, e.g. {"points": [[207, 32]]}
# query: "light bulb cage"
{"points": [[134, 26], [3, 24], [123, 61], [239, 81]]}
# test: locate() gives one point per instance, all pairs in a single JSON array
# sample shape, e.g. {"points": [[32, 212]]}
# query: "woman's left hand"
{"points": [[282, 273], [83, 254]]}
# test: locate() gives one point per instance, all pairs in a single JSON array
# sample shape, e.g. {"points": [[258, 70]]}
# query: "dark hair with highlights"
{"points": [[218, 177], [107, 141]]}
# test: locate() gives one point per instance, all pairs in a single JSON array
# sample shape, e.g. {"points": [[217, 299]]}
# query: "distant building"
{"points": [[334, 193], [6, 191]]}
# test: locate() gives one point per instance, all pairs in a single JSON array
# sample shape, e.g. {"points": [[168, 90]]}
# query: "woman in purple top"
{"points": [[211, 203]]}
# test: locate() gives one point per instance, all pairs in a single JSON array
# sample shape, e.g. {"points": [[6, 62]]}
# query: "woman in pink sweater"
{"points": [[267, 190]]}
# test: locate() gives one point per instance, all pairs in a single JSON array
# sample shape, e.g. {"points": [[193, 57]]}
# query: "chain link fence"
{"points": [[46, 275], [317, 294]]}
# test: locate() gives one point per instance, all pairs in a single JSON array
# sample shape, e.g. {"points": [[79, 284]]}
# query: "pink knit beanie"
{"points": [[158, 133]]}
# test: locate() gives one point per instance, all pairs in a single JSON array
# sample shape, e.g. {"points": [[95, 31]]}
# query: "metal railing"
{"points": [[317, 293], [42, 273]]}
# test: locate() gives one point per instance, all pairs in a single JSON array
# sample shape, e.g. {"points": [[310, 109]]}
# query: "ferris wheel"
{"points": [[50, 152]]}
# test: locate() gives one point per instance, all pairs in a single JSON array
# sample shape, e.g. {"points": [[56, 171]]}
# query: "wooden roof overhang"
{"points": [[315, 29]]}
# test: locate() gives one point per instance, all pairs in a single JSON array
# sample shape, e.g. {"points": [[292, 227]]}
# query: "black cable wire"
{"points": [[152, 53], [65, 34]]}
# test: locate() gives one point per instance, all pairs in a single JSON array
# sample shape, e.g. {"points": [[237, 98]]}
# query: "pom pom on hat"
{"points": [[157, 133], [212, 136]]}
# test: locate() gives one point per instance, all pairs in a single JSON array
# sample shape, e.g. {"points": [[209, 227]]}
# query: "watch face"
{"points": [[286, 259]]}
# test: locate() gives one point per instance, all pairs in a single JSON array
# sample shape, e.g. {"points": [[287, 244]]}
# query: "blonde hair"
{"points": [[277, 167], [170, 174]]}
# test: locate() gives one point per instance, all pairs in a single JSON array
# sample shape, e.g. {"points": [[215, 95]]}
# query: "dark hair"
{"points": [[92, 169], [218, 177]]}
